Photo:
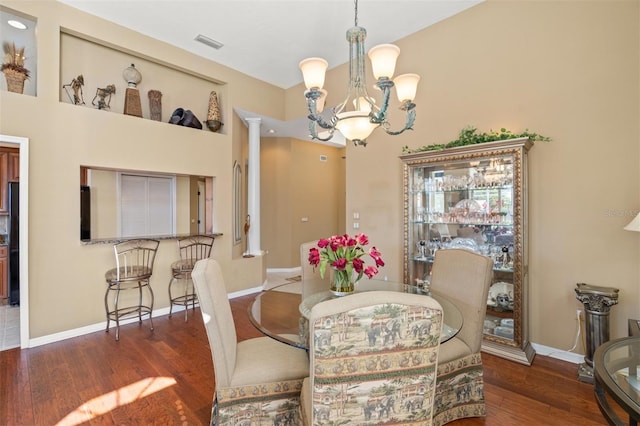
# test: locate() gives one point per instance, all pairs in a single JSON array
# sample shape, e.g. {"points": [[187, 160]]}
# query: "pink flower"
{"points": [[362, 239], [314, 256], [358, 264], [323, 243], [377, 256], [335, 244], [370, 271], [340, 264]]}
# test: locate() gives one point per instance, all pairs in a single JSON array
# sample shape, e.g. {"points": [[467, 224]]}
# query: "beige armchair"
{"points": [[257, 378], [373, 359], [464, 277]]}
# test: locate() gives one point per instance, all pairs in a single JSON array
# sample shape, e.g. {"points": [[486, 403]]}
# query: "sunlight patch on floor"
{"points": [[109, 401]]}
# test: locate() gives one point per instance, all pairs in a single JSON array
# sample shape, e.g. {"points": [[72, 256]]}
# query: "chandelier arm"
{"points": [[312, 97], [385, 85], [314, 132], [411, 117]]}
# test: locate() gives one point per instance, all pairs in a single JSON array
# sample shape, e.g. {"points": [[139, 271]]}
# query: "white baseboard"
{"points": [[558, 354], [101, 326], [245, 292], [294, 270]]}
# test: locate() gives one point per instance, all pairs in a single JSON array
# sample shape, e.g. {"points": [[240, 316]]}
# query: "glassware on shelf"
{"points": [[422, 249]]}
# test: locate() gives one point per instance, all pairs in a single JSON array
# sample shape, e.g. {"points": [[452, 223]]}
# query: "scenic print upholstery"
{"points": [[375, 365]]}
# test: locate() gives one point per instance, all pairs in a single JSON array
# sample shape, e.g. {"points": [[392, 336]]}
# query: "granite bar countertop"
{"points": [[116, 240]]}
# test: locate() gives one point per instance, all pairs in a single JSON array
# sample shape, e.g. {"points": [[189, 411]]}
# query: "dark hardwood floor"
{"points": [[165, 377]]}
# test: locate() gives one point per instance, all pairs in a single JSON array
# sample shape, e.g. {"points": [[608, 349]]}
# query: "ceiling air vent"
{"points": [[208, 41]]}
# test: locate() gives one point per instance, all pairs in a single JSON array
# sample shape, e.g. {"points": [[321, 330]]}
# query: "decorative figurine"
{"points": [[213, 116], [76, 85], [13, 67], [155, 104], [104, 96], [132, 104], [247, 225]]}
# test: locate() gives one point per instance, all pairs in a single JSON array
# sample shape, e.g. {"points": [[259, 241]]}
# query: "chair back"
{"points": [[464, 277], [374, 358], [218, 318], [134, 259], [195, 247]]}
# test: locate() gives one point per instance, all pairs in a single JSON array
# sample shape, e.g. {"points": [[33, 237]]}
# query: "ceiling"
{"points": [[267, 39]]}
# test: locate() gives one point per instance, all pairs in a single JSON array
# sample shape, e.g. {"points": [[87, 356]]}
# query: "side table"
{"points": [[616, 364]]}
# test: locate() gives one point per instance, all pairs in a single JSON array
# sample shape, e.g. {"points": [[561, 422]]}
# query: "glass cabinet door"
{"points": [[473, 198]]}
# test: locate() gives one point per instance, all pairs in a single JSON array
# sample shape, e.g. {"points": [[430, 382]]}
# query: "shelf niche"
{"points": [[101, 64]]}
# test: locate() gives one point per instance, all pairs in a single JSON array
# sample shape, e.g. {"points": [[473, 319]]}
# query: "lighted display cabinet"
{"points": [[474, 197]]}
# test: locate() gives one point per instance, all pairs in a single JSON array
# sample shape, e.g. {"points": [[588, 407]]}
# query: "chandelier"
{"points": [[358, 115]]}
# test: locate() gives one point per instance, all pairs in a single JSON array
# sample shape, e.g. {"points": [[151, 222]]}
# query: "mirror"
{"points": [[117, 203], [237, 203]]}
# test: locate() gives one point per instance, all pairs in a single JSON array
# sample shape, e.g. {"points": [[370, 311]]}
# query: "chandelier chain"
{"points": [[356, 13]]}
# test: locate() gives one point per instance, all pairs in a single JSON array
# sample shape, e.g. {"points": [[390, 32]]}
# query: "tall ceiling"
{"points": [[266, 39]]}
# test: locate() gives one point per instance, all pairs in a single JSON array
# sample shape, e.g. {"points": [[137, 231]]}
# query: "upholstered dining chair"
{"points": [[373, 358], [464, 277], [258, 379]]}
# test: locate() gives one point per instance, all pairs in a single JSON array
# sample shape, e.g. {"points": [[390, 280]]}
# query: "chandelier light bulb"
{"points": [[383, 60], [406, 86], [313, 71], [321, 100], [355, 125], [361, 104]]}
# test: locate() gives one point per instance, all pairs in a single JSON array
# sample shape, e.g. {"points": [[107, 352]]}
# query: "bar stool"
{"points": [[191, 249], [134, 266]]}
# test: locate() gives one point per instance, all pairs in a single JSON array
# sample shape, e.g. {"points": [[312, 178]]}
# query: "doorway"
{"points": [[23, 145]]}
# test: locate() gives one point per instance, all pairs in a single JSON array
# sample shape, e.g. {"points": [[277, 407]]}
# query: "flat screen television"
{"points": [[85, 212]]}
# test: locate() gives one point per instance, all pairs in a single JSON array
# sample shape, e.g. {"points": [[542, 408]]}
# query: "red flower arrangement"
{"points": [[344, 254]]}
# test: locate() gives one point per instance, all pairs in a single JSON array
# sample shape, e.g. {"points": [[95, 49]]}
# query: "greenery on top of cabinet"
{"points": [[469, 136]]}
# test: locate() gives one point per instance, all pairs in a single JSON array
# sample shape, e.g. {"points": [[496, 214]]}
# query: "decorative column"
{"points": [[253, 196], [597, 302]]}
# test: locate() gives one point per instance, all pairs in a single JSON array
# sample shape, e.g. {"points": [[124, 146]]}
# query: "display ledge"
{"points": [[116, 240]]}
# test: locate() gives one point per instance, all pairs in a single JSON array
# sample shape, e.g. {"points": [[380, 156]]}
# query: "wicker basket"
{"points": [[15, 80]]}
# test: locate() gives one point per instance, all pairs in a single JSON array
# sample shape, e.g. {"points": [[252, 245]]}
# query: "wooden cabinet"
{"points": [[474, 197], [14, 167], [9, 172], [4, 180], [4, 280]]}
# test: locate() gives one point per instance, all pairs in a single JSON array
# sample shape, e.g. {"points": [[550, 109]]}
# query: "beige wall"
{"points": [[66, 278], [296, 184], [568, 70]]}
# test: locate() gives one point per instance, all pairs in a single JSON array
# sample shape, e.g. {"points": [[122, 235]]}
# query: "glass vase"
{"points": [[343, 282]]}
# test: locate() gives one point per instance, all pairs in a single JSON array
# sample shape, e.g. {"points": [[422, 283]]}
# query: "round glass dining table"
{"points": [[280, 312]]}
